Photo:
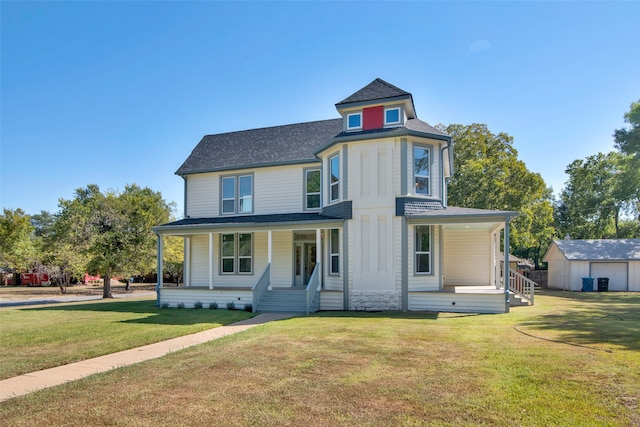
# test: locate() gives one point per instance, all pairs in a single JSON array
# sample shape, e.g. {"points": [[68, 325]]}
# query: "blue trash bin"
{"points": [[587, 284]]}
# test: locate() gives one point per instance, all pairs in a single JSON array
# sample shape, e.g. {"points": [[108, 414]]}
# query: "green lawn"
{"points": [[571, 360], [37, 338]]}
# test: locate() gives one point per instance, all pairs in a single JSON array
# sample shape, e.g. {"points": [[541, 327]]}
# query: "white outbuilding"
{"points": [[615, 259]]}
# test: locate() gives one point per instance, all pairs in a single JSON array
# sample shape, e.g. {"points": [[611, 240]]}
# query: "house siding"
{"points": [[468, 257], [199, 271], [424, 282], [331, 300], [371, 173], [275, 190], [188, 297], [459, 303], [634, 276], [203, 194]]}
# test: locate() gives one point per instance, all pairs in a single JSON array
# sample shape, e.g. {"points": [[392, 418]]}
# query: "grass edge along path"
{"points": [[36, 338], [379, 369]]}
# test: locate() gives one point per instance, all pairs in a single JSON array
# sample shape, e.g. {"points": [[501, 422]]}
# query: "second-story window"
{"points": [[312, 188], [354, 121], [392, 116], [421, 170], [334, 178], [237, 194]]}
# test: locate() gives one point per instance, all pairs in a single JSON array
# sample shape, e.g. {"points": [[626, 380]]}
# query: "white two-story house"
{"points": [[343, 214]]}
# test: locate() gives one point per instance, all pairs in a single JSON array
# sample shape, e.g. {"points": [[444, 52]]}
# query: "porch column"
{"points": [[319, 255], [187, 262], [507, 300], [210, 260], [269, 246], [159, 269]]}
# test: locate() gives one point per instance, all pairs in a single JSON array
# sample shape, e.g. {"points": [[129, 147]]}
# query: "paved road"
{"points": [[68, 298]]}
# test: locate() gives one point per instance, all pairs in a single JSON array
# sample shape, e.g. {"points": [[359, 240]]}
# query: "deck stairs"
{"points": [[290, 300]]}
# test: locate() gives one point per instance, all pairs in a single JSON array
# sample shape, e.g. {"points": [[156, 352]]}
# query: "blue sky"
{"points": [[120, 92]]}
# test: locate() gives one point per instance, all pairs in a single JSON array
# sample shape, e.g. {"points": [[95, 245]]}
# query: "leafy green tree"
{"points": [[597, 198], [18, 248], [173, 255], [489, 175], [113, 230], [627, 140]]}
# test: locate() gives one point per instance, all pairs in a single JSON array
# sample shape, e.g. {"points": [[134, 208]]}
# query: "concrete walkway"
{"points": [[27, 383]]}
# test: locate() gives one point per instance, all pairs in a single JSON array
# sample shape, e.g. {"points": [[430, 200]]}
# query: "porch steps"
{"points": [[284, 300], [516, 301]]}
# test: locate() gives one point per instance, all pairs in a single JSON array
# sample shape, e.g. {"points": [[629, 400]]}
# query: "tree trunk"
{"points": [[106, 289]]}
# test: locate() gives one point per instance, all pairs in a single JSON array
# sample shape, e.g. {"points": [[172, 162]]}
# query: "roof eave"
{"points": [[471, 217], [248, 166], [185, 229], [392, 132]]}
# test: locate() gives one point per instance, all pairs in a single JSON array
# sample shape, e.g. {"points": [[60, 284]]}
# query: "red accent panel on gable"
{"points": [[372, 118]]}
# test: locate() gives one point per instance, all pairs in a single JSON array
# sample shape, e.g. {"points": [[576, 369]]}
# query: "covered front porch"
{"points": [[468, 250], [258, 265]]}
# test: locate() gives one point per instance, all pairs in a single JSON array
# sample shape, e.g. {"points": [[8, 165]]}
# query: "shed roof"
{"points": [[600, 250]]}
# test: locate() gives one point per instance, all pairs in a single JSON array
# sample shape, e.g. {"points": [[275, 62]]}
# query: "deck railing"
{"points": [[313, 291], [519, 284], [261, 286]]}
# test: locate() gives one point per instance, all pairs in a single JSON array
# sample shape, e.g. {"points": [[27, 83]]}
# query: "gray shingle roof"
{"points": [[430, 209], [377, 89], [276, 145], [249, 220], [600, 250]]}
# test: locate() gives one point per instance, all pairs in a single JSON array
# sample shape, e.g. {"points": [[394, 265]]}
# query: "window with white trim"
{"points": [[421, 166], [334, 251], [354, 121], [312, 179], [334, 178], [423, 249], [236, 194], [236, 253], [392, 116]]}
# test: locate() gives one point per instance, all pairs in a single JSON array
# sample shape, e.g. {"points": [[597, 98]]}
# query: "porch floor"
{"points": [[460, 289]]}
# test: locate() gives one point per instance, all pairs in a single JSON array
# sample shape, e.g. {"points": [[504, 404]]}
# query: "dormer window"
{"points": [[354, 121], [392, 116]]}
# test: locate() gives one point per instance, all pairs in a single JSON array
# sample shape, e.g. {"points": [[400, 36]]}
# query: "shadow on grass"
{"points": [[428, 315], [599, 319], [151, 314]]}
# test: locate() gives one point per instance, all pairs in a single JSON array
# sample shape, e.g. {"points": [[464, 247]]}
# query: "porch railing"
{"points": [[261, 286], [313, 291], [519, 284]]}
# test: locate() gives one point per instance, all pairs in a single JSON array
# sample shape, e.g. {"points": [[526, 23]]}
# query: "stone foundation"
{"points": [[374, 301]]}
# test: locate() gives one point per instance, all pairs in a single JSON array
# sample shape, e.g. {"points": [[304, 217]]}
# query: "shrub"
{"points": [[231, 305], [197, 305], [164, 305], [180, 305], [213, 306], [248, 307]]}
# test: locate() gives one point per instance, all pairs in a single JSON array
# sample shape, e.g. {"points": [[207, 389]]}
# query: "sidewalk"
{"points": [[27, 383]]}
